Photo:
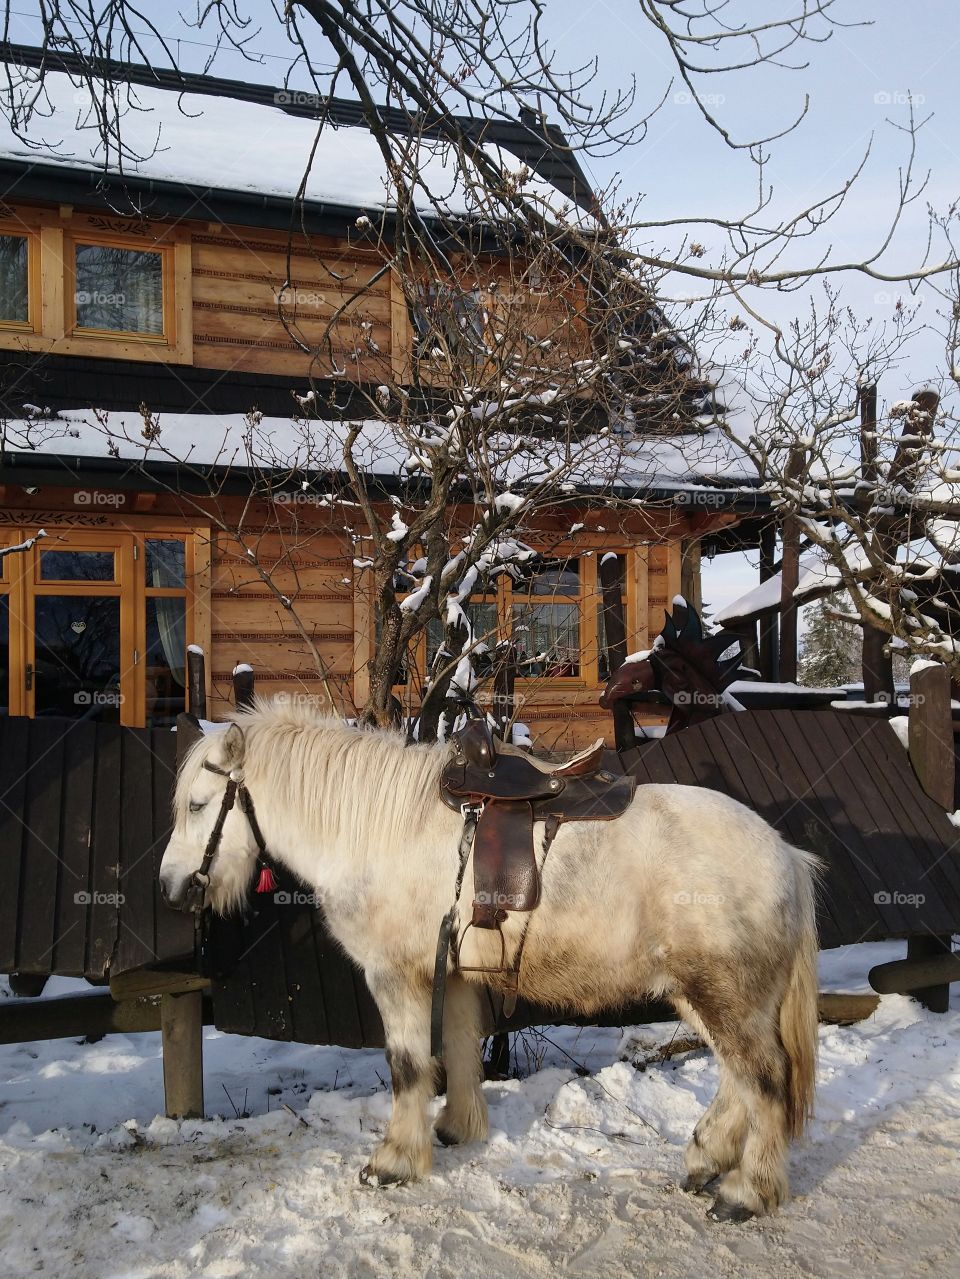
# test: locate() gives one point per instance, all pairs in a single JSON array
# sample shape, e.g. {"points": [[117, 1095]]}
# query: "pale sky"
{"points": [[858, 82]]}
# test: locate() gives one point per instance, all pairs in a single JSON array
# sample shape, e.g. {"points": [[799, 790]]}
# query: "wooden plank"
{"points": [[811, 823], [268, 981], [13, 755], [837, 1009], [760, 763], [136, 985], [314, 297], [917, 819], [105, 850], [930, 732], [304, 981], [137, 941], [175, 932], [230, 976], [181, 1023], [73, 905], [69, 1016], [37, 933], [752, 784], [879, 845]]}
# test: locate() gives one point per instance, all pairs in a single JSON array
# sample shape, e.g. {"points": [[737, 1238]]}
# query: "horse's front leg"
{"points": [[405, 1152], [464, 1117]]}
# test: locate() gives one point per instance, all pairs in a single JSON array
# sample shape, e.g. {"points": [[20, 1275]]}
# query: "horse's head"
{"points": [[686, 666], [634, 678], [213, 849]]}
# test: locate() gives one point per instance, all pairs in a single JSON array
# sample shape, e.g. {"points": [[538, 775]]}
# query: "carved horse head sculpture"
{"points": [[685, 668]]}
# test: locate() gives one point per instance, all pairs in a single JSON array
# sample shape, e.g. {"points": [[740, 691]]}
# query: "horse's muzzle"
{"points": [[187, 897]]}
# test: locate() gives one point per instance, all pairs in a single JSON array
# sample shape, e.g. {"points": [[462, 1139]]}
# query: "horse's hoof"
{"points": [[370, 1177], [699, 1183], [732, 1214], [446, 1138]]}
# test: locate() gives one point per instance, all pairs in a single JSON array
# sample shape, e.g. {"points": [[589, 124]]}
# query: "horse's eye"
{"points": [[195, 807]]}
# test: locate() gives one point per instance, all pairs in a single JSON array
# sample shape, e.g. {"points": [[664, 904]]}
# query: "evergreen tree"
{"points": [[830, 649]]}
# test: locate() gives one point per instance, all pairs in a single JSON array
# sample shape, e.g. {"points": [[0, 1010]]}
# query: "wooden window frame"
{"points": [[587, 601], [53, 235], [72, 240], [22, 583], [34, 280]]}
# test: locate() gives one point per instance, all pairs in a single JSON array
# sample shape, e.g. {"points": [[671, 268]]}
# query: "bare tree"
{"points": [[462, 216]]}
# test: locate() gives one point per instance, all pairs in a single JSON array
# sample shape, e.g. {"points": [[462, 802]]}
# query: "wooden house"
{"points": [[157, 286]]}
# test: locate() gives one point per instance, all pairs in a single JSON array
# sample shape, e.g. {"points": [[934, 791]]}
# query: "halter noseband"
{"points": [[200, 879]]}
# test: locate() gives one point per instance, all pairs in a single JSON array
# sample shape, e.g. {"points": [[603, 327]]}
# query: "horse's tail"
{"points": [[798, 1011]]}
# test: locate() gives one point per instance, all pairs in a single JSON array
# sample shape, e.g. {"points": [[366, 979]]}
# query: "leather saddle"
{"points": [[517, 790]]}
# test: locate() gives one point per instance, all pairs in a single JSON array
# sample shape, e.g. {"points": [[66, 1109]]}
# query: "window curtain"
{"points": [[13, 279], [172, 625]]}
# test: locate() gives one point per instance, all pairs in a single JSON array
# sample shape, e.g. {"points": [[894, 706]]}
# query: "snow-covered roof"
{"points": [[699, 469], [817, 577], [221, 143]]}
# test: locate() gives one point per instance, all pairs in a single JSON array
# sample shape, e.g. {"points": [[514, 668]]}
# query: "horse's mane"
{"points": [[331, 771]]}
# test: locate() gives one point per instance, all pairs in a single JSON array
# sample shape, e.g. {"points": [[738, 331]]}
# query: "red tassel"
{"points": [[266, 883]]}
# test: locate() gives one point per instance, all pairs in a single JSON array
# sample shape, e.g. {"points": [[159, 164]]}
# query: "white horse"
{"points": [[689, 896]]}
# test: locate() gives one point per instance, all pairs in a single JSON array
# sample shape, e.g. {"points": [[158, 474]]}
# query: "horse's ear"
{"points": [[233, 747]]}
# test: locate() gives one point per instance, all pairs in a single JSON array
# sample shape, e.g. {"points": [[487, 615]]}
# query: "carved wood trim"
{"points": [[278, 637]]}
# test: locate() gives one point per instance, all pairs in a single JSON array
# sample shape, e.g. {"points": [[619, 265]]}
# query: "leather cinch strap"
{"points": [[470, 818]]}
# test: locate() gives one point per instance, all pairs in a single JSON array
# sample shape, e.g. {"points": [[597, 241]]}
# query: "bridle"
{"points": [[235, 790]]}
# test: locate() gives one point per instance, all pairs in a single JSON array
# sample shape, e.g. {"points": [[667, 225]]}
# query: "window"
{"points": [[95, 625], [15, 280], [546, 614], [166, 630], [448, 319], [118, 289], [482, 615]]}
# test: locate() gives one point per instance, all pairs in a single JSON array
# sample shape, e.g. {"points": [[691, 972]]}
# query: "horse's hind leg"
{"points": [[464, 1117], [754, 1072], [405, 1152], [757, 1066], [717, 1142]]}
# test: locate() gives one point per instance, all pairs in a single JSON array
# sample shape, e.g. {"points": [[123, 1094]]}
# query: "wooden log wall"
{"points": [[236, 277], [251, 624]]}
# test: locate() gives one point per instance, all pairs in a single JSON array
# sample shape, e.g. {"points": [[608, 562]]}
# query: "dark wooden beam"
{"points": [[615, 629], [196, 683], [925, 974], [930, 734], [769, 626], [70, 1016], [789, 580]]}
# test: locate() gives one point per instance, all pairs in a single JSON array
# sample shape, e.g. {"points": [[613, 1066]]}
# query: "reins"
{"points": [[235, 790]]}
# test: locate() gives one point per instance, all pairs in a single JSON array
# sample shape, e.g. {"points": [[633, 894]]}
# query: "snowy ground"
{"points": [[580, 1174]]}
